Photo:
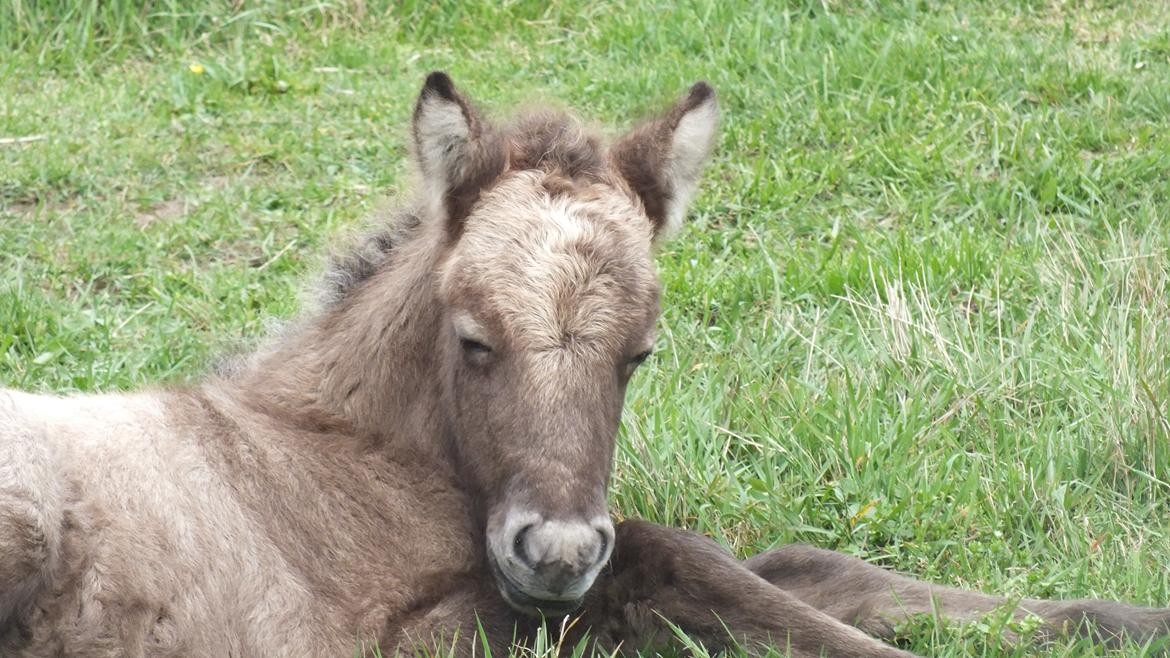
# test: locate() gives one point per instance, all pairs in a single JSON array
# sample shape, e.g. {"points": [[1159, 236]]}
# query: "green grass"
{"points": [[921, 312]]}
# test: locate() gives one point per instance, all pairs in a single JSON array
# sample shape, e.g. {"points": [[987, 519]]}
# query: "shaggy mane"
{"points": [[349, 269]]}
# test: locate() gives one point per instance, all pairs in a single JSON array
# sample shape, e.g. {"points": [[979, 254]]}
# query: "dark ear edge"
{"points": [[438, 87], [458, 152], [699, 93], [440, 83], [662, 160]]}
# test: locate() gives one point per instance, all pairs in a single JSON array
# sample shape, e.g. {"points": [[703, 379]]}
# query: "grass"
{"points": [[921, 311]]}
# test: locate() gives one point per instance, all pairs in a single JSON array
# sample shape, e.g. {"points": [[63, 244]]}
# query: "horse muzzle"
{"points": [[545, 567]]}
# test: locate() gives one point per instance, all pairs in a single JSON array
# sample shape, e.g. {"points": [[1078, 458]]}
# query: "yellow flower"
{"points": [[197, 69]]}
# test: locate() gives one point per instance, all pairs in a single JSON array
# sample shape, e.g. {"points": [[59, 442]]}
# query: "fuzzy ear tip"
{"points": [[439, 83], [701, 92]]}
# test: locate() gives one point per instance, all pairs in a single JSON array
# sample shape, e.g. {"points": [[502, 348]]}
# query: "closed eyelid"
{"points": [[467, 328], [647, 346]]}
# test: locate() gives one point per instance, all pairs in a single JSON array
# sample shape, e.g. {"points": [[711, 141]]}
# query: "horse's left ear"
{"points": [[663, 159], [458, 152]]}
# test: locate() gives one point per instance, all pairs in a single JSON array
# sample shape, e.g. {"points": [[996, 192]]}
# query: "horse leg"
{"points": [[876, 600], [451, 626], [30, 517], [659, 577]]}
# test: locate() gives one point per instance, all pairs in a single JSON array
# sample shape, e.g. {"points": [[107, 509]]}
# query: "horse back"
{"points": [[119, 537], [179, 523]]}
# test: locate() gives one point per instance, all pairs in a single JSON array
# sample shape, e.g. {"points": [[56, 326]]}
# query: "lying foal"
{"points": [[428, 452]]}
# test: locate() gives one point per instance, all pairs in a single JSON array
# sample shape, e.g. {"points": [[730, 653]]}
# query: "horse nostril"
{"points": [[605, 529], [519, 546]]}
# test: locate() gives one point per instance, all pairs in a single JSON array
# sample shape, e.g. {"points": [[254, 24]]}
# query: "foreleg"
{"points": [[455, 624], [877, 601], [662, 576]]}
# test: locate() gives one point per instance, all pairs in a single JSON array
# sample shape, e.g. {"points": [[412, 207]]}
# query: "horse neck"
{"points": [[367, 365]]}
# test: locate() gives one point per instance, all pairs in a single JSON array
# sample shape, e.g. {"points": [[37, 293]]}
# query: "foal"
{"points": [[428, 453]]}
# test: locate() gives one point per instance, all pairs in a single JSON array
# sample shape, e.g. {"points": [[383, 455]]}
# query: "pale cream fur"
{"points": [[442, 134], [545, 293], [156, 523], [690, 147]]}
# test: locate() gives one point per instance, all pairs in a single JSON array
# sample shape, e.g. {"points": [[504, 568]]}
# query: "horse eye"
{"points": [[474, 347]]}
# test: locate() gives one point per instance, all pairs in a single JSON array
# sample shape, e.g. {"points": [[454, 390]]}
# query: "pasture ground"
{"points": [[920, 313]]}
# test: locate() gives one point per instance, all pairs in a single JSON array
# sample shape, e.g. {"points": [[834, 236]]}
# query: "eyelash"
{"points": [[473, 346], [476, 348], [633, 363]]}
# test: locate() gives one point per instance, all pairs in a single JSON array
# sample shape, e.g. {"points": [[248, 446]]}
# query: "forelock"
{"points": [[556, 143], [555, 268]]}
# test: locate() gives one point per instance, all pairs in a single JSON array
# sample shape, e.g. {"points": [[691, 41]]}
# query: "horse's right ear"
{"points": [[458, 152]]}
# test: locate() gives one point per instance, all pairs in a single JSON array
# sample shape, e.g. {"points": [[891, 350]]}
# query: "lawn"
{"points": [[920, 312]]}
